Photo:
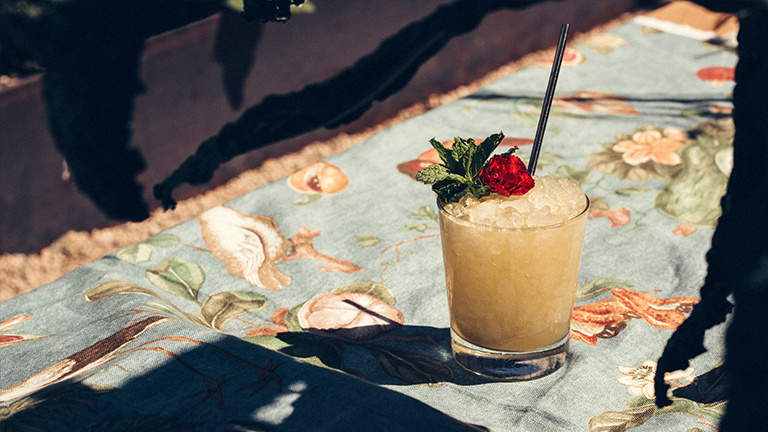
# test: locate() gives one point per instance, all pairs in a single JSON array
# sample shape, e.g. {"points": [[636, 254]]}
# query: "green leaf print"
{"points": [[632, 190], [306, 198], [221, 307], [619, 421], [367, 241], [567, 172], [135, 253], [420, 227], [425, 212], [693, 196], [589, 290], [164, 240], [112, 288], [310, 348], [292, 318], [142, 252], [177, 276]]}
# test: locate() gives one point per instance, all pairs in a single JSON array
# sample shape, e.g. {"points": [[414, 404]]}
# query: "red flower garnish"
{"points": [[506, 175]]}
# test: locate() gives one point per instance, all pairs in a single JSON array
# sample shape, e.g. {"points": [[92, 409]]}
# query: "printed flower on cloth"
{"points": [[649, 153], [248, 245], [349, 316], [652, 145], [640, 379], [316, 180]]}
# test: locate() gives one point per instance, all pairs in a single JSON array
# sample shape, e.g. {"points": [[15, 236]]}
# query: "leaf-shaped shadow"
{"points": [[707, 388], [305, 346], [220, 308], [177, 276], [411, 367]]}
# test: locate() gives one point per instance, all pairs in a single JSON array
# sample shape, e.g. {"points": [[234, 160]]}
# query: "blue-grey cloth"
{"points": [[240, 320]]}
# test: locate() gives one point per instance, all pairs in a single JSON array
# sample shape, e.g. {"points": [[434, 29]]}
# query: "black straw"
{"points": [[548, 96]]}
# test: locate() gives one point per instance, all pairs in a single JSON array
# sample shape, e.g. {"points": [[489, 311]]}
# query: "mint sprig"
{"points": [[459, 173]]}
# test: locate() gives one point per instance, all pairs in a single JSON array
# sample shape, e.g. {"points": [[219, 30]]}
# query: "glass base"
{"points": [[509, 366]]}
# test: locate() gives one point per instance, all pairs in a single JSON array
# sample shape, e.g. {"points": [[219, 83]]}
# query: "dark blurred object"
{"points": [[268, 10], [234, 49], [738, 259], [91, 52]]}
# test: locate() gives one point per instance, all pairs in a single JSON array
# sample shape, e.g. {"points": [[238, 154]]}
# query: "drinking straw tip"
{"points": [[548, 96]]}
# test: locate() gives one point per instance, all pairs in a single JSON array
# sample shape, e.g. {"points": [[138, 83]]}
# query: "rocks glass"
{"points": [[510, 293]]}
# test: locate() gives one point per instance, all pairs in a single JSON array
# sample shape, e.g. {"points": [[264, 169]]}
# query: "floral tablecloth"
{"points": [[318, 302]]}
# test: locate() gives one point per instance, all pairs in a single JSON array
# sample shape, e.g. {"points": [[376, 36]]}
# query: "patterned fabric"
{"points": [[318, 302]]}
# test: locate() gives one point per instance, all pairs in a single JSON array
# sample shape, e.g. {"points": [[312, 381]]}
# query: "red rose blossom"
{"points": [[506, 175]]}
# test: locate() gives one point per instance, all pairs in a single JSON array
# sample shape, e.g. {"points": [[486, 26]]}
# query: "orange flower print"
{"points": [[716, 75], [675, 134], [318, 178], [605, 318], [619, 216], [684, 230], [652, 145], [571, 57], [640, 379], [276, 325]]}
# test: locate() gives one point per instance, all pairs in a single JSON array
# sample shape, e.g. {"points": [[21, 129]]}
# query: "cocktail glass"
{"points": [[510, 294]]}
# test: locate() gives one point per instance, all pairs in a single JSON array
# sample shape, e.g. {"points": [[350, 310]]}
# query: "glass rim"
{"points": [[443, 212]]}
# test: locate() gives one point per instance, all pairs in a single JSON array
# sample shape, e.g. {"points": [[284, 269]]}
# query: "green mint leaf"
{"points": [[432, 174], [446, 155], [450, 190], [462, 152], [482, 153], [512, 151], [459, 178], [478, 190], [460, 147]]}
